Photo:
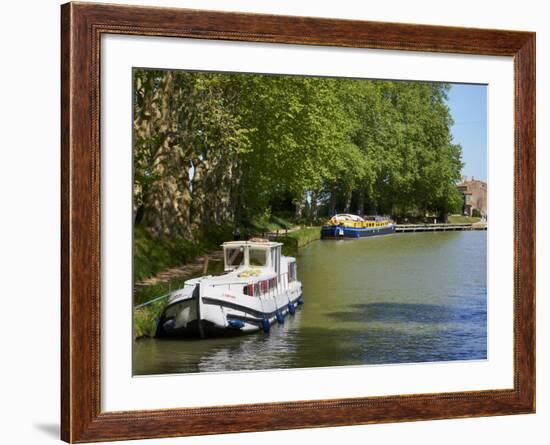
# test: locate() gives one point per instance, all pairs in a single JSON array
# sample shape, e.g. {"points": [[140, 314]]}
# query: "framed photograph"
{"points": [[274, 222]]}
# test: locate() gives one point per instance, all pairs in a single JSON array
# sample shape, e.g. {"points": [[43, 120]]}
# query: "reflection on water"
{"points": [[393, 299]]}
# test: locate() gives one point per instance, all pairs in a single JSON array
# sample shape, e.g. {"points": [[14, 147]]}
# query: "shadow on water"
{"points": [[390, 345], [408, 312]]}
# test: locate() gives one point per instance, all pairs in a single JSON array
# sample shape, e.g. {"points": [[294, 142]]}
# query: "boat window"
{"points": [[234, 257], [292, 271], [257, 257]]}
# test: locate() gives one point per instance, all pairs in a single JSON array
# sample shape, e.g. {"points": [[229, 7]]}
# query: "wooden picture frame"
{"points": [[82, 26]]}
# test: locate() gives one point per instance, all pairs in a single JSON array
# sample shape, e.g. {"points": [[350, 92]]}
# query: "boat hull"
{"points": [[218, 315], [341, 232]]}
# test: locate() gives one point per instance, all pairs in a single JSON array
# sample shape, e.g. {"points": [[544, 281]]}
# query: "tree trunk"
{"points": [[332, 203], [314, 208], [196, 212], [347, 206], [301, 205], [361, 202]]}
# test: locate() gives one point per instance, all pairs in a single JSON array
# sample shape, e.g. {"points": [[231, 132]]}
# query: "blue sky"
{"points": [[468, 105]]}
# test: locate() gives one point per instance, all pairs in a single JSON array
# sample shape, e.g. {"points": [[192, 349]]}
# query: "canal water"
{"points": [[414, 297]]}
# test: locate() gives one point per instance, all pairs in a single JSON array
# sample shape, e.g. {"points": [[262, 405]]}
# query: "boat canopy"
{"points": [[341, 217], [355, 221]]}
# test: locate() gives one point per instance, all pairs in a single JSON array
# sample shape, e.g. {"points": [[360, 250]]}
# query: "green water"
{"points": [[393, 299]]}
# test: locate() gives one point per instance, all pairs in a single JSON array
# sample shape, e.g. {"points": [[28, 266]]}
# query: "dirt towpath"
{"points": [[187, 270]]}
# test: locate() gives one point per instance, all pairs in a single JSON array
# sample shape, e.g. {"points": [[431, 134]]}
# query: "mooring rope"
{"points": [[152, 301]]}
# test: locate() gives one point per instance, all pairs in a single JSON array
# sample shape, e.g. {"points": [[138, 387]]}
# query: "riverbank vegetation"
{"points": [[292, 241], [145, 319], [460, 219], [217, 153]]}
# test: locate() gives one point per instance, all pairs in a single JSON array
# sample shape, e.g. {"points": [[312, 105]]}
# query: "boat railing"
{"points": [[361, 224], [284, 284]]}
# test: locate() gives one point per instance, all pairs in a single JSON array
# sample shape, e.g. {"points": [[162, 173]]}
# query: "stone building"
{"points": [[475, 196]]}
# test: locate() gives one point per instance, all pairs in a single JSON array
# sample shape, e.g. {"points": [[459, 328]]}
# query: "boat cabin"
{"points": [[256, 253]]}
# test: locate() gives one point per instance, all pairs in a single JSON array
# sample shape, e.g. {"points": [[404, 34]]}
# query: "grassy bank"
{"points": [[155, 254], [145, 319], [298, 238], [460, 219], [268, 223]]}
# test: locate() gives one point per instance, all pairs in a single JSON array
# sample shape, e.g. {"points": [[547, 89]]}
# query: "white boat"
{"points": [[258, 288]]}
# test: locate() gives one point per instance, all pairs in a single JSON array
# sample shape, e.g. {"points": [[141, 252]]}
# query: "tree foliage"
{"points": [[213, 149]]}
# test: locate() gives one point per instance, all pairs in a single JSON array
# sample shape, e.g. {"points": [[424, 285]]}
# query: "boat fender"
{"points": [[291, 308], [280, 317], [235, 324], [159, 332], [266, 326]]}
